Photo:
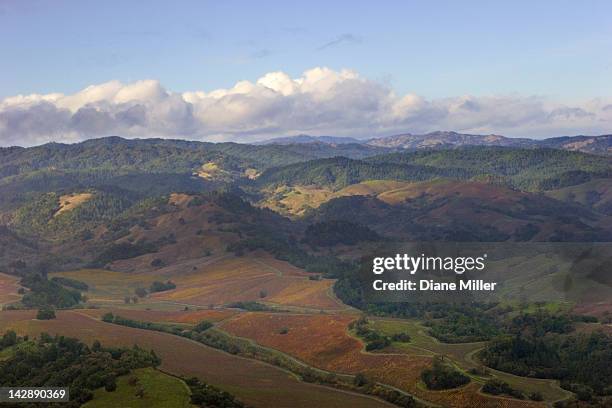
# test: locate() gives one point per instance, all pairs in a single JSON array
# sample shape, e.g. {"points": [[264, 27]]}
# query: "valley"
{"points": [[237, 264]]}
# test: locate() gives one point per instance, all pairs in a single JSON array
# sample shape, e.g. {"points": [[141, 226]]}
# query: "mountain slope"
{"points": [[595, 194], [467, 211]]}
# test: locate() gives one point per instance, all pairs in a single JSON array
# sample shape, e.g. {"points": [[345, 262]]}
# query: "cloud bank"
{"points": [[321, 101]]}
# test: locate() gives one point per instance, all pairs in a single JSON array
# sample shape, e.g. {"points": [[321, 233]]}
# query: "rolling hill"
{"points": [[446, 210], [148, 167], [528, 169], [595, 194], [255, 251]]}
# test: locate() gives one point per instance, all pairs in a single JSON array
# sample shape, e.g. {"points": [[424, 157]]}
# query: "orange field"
{"points": [[216, 280], [9, 285], [256, 383], [323, 341]]}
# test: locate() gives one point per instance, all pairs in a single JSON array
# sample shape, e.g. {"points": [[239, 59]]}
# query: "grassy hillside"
{"points": [[159, 391], [300, 200]]}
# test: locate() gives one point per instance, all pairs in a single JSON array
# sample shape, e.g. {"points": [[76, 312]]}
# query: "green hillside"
{"points": [[526, 169]]}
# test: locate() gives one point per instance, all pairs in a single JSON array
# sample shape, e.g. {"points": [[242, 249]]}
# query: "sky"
{"points": [[246, 70]]}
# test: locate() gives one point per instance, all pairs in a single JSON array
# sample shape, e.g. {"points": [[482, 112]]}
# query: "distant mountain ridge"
{"points": [[448, 140], [587, 144], [309, 139]]}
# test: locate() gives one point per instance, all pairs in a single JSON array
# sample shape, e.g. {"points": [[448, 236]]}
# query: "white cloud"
{"points": [[321, 101]]}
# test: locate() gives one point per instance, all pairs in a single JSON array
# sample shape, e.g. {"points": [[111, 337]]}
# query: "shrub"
{"points": [[401, 337], [157, 262], [140, 292], [498, 387], [73, 283], [360, 380], [536, 396], [378, 343], [158, 286], [202, 326], [45, 314], [250, 306], [111, 384], [441, 376], [206, 395], [9, 339]]}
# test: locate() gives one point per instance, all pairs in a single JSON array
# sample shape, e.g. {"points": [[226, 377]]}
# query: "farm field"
{"points": [[420, 341], [331, 347], [260, 278], [463, 355], [108, 286], [160, 391], [216, 281], [9, 285], [255, 383]]}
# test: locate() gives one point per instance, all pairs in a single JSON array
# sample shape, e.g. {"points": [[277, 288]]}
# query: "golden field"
{"points": [[324, 342]]}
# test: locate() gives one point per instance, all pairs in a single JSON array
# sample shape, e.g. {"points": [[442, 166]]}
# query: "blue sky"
{"points": [[432, 48], [521, 68]]}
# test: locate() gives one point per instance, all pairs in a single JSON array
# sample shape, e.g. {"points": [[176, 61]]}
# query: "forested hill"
{"points": [[340, 172], [146, 166], [164, 155], [527, 169]]}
